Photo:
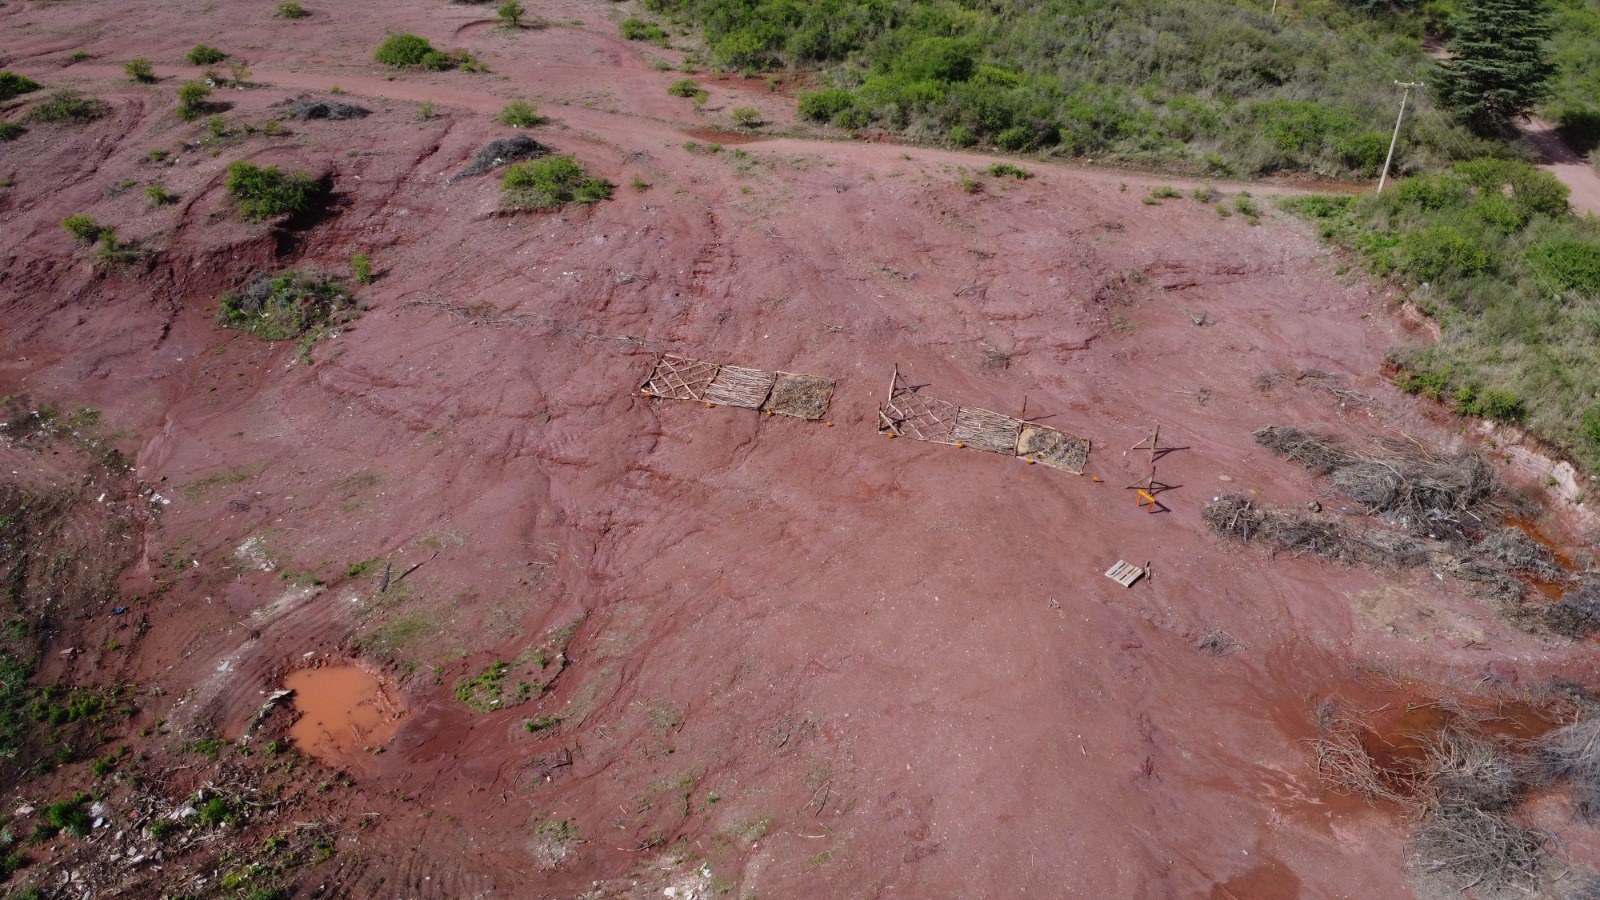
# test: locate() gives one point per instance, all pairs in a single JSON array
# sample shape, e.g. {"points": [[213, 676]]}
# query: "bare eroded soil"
{"points": [[788, 658]]}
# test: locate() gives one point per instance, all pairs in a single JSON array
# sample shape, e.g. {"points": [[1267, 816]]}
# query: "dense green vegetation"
{"points": [[1499, 65], [408, 50], [264, 192], [1575, 93], [68, 107], [1491, 251], [14, 85], [1219, 85], [550, 182]]}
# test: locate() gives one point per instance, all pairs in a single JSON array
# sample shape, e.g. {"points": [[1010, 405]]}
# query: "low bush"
{"points": [[10, 131], [550, 182], [68, 107], [361, 267], [160, 196], [84, 228], [192, 100], [746, 116], [287, 305], [139, 69], [403, 50], [70, 816], [824, 105], [263, 192], [1007, 170], [291, 10], [203, 55], [520, 114], [14, 85], [684, 88], [640, 30]]}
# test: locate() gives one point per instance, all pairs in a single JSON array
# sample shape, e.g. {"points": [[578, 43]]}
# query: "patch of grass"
{"points": [[551, 182], [10, 131], [540, 723], [391, 639], [286, 305], [361, 267], [291, 10], [68, 107], [1007, 170], [160, 196], [139, 69], [1165, 192], [14, 85], [263, 192], [520, 114], [484, 692], [204, 55]]}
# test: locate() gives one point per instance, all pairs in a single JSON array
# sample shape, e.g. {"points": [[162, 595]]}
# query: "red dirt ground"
{"points": [[819, 662]]}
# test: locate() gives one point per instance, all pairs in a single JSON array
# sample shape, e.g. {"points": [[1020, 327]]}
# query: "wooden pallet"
{"points": [[1124, 573]]}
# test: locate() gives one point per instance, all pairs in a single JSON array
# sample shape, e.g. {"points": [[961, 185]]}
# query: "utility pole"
{"points": [[1408, 85]]}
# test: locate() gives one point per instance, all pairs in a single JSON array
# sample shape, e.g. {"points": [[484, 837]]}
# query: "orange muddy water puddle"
{"points": [[343, 712], [1552, 590]]}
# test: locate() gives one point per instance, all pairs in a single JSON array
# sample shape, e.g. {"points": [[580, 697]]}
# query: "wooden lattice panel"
{"points": [[738, 386], [909, 414], [982, 429], [680, 378], [801, 396], [1050, 447]]}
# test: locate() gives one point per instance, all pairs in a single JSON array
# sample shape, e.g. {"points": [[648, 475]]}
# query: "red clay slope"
{"points": [[830, 663]]}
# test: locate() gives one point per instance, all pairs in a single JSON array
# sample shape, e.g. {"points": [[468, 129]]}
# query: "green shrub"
{"points": [[520, 114], [403, 50], [540, 723], [14, 85], [640, 30], [437, 61], [203, 55], [824, 105], [218, 811], [745, 116], [83, 228], [10, 131], [139, 69], [291, 10], [263, 192], [70, 816], [684, 88], [550, 182], [192, 100], [160, 196], [510, 12], [361, 266], [287, 305], [1429, 253], [1007, 170], [68, 107]]}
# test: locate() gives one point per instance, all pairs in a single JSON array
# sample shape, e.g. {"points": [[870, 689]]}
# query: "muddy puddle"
{"points": [[1552, 590], [345, 714], [729, 138]]}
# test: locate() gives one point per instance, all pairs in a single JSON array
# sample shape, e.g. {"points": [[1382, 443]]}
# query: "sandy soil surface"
{"points": [[788, 658]]}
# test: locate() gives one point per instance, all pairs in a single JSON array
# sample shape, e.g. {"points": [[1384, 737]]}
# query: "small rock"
{"points": [[1314, 506], [1224, 477]]}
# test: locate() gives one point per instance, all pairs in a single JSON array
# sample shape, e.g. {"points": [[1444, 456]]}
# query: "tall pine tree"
{"points": [[1501, 65]]}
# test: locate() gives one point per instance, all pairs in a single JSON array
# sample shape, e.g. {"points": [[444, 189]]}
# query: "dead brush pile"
{"points": [[1300, 532], [1441, 497], [1464, 793]]}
